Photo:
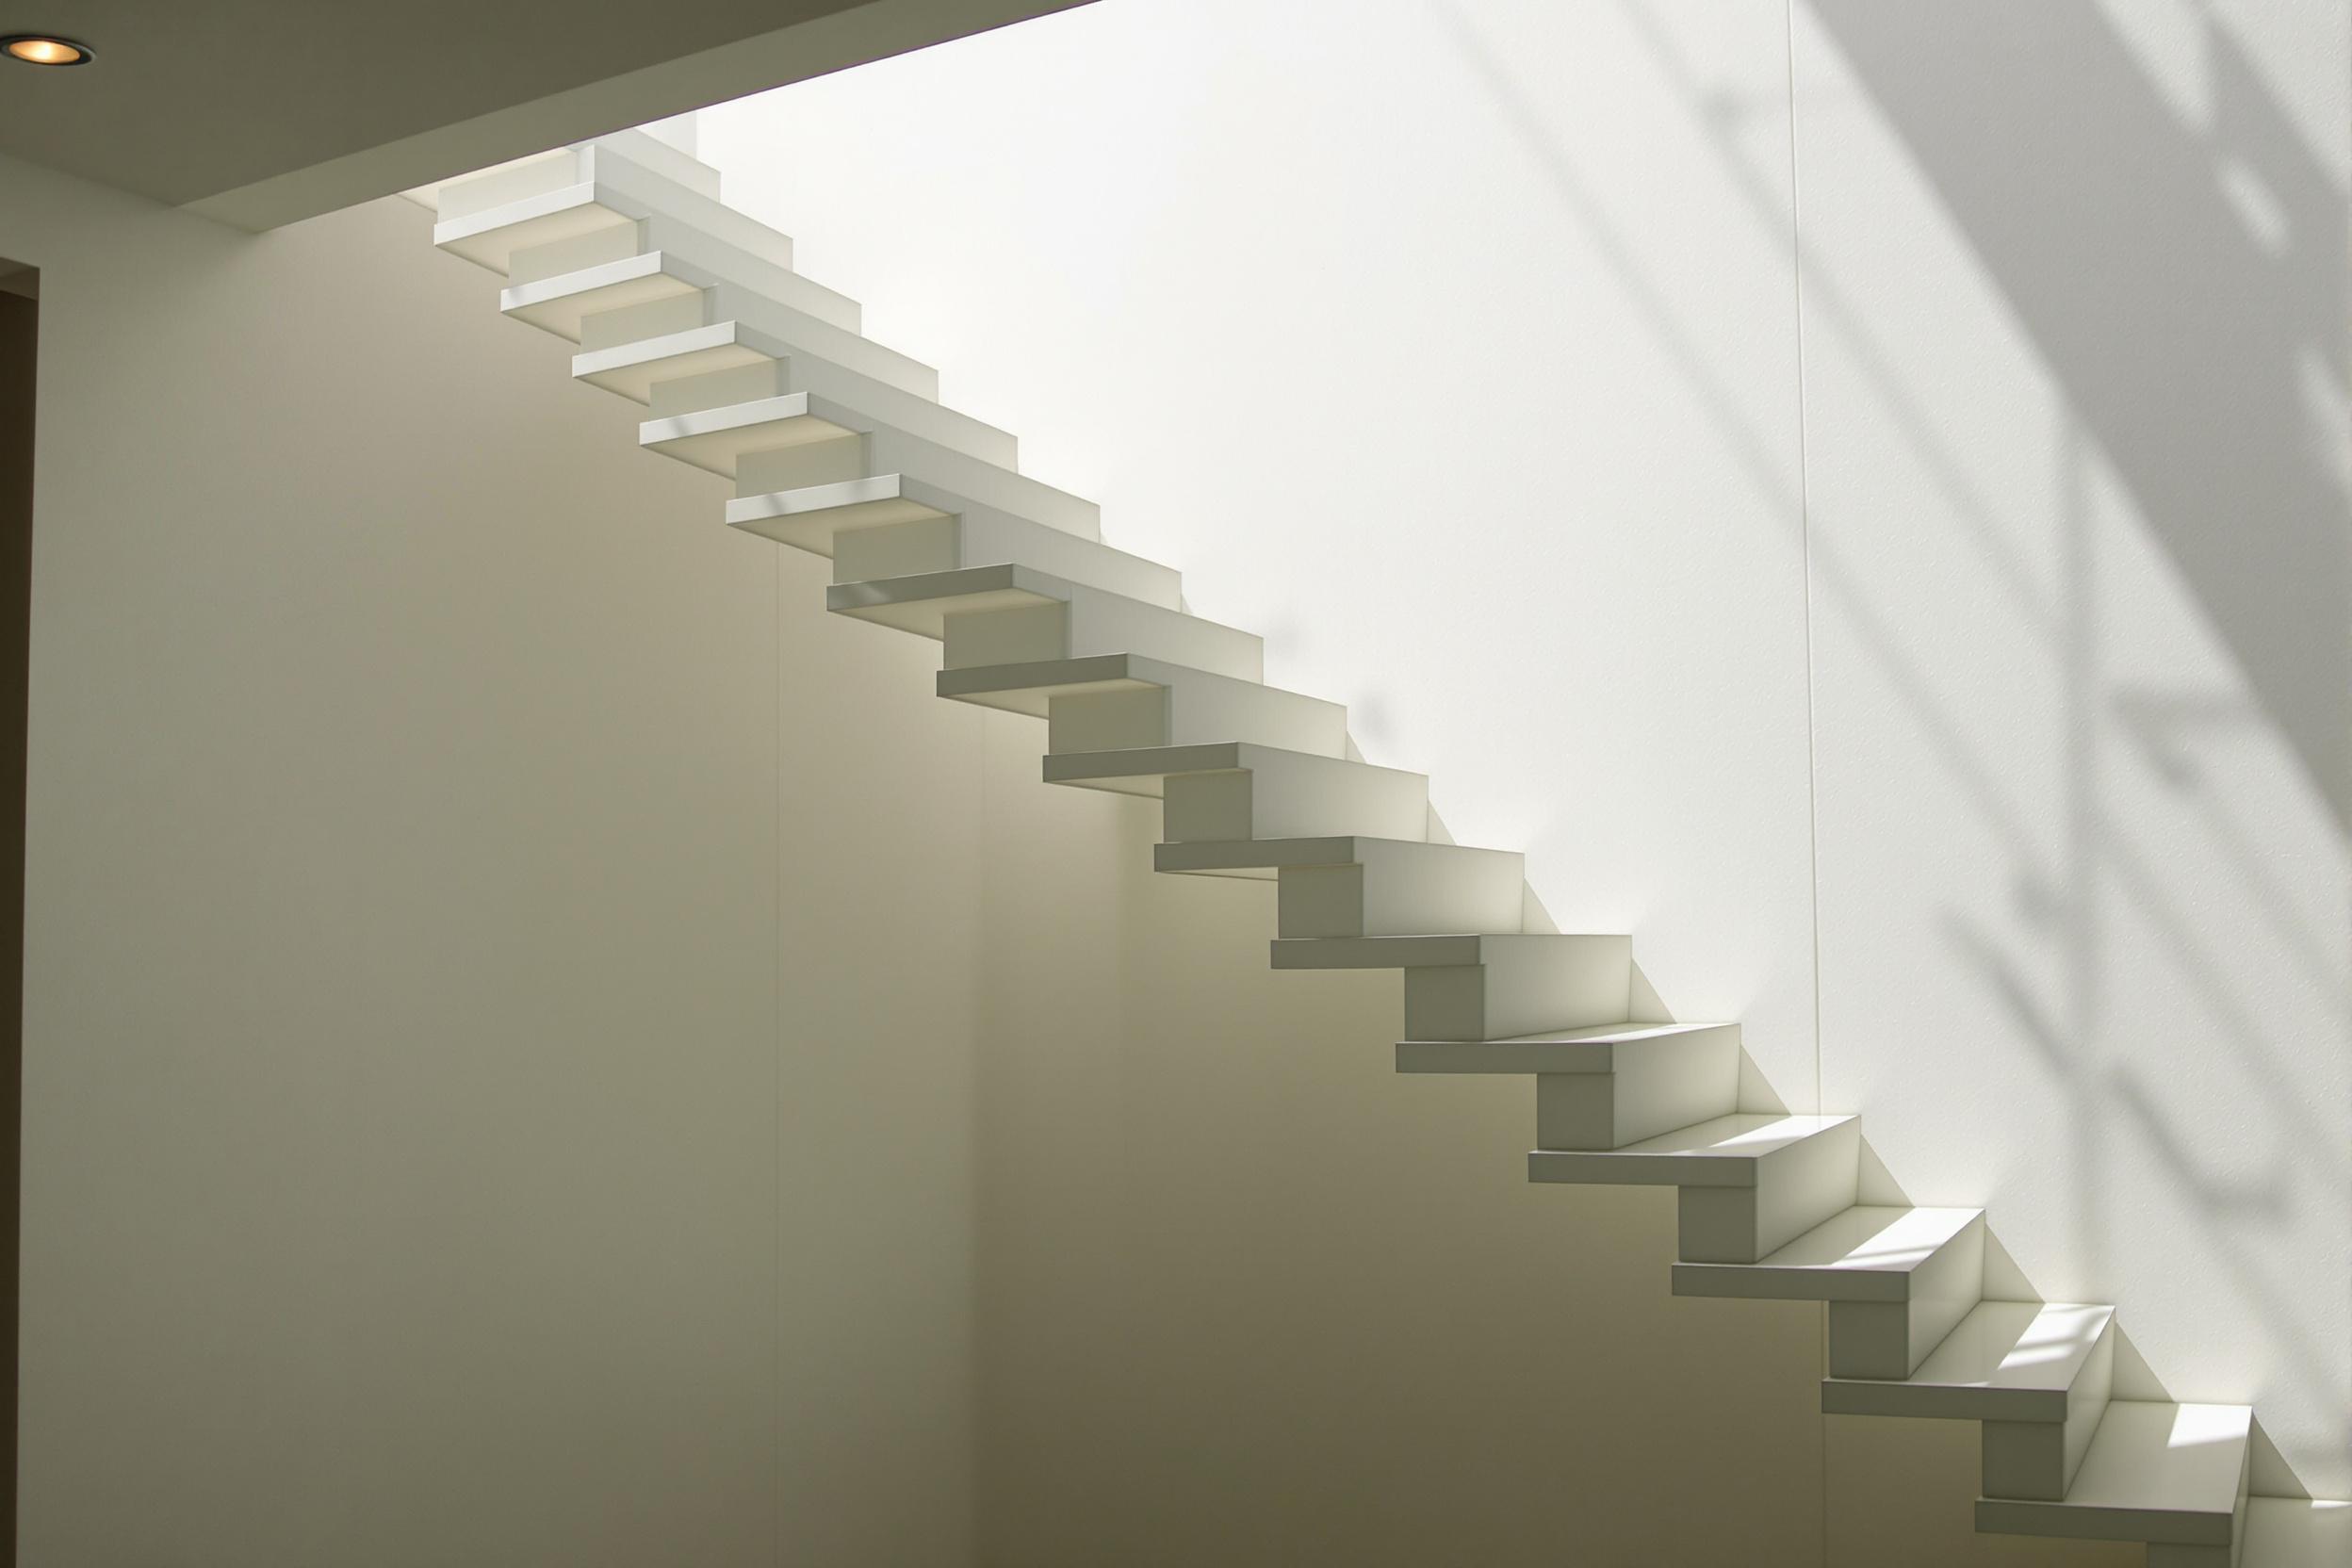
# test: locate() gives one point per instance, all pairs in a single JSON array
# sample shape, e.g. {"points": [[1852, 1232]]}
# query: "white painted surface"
{"points": [[457, 981], [1453, 349]]}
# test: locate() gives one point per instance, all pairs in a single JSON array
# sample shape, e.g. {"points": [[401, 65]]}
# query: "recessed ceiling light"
{"points": [[41, 49]]}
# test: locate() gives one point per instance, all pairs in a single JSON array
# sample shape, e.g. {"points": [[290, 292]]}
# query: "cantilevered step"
{"points": [[695, 355], [1235, 790], [1364, 886], [1012, 615], [630, 287], [2173, 1476], [2037, 1375], [606, 185], [1483, 987], [1897, 1282], [1606, 1086], [1749, 1184], [2007, 1361], [893, 525], [784, 443], [1117, 700]]}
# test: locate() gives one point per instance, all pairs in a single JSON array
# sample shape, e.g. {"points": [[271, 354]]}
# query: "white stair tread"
{"points": [[2007, 1361], [1722, 1153], [620, 193], [1025, 687], [1263, 857], [921, 601], [1198, 699], [1864, 1253], [488, 238], [2160, 1473], [559, 304], [1596, 1050], [1095, 621], [897, 497], [2297, 1532], [631, 369], [810, 517], [1142, 770], [717, 438], [1452, 951]]}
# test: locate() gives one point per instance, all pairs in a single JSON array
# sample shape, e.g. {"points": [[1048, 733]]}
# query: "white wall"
{"points": [[497, 1070], [543, 1047], [530, 1023], [1453, 344]]}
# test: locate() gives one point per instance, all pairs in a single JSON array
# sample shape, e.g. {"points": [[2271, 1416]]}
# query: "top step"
{"points": [[600, 185]]}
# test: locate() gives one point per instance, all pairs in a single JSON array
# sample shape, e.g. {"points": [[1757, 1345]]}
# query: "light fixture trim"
{"points": [[50, 49]]}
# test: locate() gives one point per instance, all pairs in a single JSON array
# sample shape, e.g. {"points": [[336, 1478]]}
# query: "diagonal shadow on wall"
{"points": [[2188, 336]]}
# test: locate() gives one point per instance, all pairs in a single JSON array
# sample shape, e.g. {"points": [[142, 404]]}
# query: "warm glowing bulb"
{"points": [[47, 51]]}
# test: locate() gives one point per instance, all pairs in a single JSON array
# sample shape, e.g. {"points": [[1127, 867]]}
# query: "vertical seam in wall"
{"points": [[776, 1072], [1812, 762]]}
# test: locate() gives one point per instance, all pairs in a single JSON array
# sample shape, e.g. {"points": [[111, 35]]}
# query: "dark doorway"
{"points": [[20, 319]]}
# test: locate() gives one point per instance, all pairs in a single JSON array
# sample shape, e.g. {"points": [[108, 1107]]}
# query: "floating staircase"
{"points": [[839, 446]]}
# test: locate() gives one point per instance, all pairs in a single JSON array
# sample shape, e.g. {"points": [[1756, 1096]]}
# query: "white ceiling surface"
{"points": [[260, 113]]}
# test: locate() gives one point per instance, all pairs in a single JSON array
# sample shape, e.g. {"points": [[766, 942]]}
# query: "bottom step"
{"points": [[2168, 1475]]}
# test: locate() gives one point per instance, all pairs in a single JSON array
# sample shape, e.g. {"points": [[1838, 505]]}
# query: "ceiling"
{"points": [[262, 111]]}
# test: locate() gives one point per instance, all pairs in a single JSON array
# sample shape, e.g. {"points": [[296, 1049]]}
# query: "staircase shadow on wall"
{"points": [[2186, 350]]}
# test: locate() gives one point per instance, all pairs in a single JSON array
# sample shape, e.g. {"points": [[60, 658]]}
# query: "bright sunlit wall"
{"points": [[1955, 690]]}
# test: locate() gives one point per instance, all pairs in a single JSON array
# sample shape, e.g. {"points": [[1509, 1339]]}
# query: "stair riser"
{"points": [[1665, 1085], [1296, 799], [2034, 1460], [673, 395], [898, 549], [1576, 985], [616, 241], [1796, 1188], [1092, 624], [1424, 889], [2037, 1460], [1889, 1339], [1193, 714], [518, 181], [680, 310]]}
